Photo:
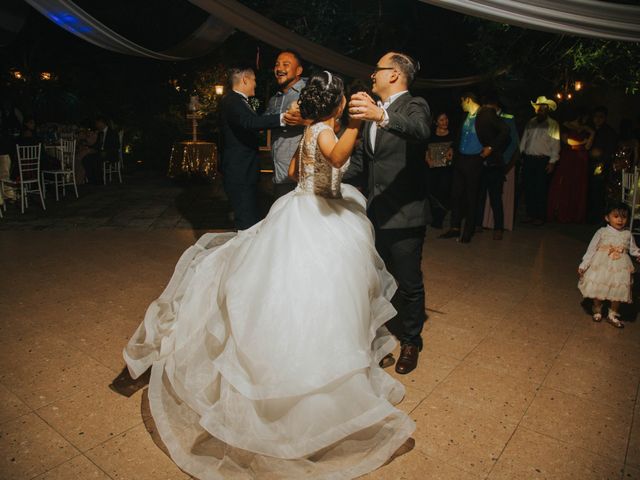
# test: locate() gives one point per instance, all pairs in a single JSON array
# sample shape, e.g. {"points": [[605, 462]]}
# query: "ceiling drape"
{"points": [[77, 21], [586, 18]]}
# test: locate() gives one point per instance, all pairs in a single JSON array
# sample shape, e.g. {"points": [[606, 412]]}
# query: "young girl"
{"points": [[605, 271]]}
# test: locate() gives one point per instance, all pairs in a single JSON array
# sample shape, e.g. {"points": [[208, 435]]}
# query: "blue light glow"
{"points": [[69, 22]]}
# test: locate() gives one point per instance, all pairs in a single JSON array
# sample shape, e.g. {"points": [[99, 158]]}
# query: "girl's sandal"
{"points": [[597, 317], [613, 319]]}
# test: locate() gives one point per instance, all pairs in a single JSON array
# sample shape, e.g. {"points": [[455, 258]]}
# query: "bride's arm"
{"points": [[337, 153], [293, 165]]}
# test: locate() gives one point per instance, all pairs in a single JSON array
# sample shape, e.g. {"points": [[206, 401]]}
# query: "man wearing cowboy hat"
{"points": [[540, 148]]}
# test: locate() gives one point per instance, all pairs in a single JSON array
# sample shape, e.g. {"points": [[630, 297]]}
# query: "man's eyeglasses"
{"points": [[377, 69]]}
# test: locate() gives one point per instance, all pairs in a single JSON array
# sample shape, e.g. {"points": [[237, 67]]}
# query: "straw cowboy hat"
{"points": [[545, 101]]}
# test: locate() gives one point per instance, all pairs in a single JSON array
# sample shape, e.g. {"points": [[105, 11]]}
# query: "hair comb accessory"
{"points": [[329, 80]]}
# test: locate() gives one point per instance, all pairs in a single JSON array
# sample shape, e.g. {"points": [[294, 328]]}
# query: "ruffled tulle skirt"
{"points": [[607, 279], [265, 345]]}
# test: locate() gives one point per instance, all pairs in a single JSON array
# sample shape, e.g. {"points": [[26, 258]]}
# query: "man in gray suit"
{"points": [[394, 136]]}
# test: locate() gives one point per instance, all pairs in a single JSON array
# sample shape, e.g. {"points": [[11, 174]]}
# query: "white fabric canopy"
{"points": [[74, 19], [258, 26], [589, 18], [578, 17]]}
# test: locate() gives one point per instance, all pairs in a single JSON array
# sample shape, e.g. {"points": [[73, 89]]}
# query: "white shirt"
{"points": [[385, 120], [541, 139]]}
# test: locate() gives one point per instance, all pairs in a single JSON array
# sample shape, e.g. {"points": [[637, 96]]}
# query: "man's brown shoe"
{"points": [[408, 359], [497, 235]]}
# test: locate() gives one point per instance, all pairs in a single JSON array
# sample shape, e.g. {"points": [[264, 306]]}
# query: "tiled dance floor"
{"points": [[516, 381]]}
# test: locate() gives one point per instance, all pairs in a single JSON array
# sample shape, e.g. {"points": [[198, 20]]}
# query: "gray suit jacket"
{"points": [[396, 167]]}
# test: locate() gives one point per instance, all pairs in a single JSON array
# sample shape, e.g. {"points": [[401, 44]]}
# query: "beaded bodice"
{"points": [[315, 174]]}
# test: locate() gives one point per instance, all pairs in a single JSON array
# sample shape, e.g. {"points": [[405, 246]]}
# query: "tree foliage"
{"points": [[557, 58]]}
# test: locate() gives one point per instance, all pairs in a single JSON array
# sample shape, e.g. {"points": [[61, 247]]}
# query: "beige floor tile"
{"points": [[90, 417], [30, 447], [633, 449], [532, 456], [79, 467], [600, 351], [552, 335], [11, 406], [412, 398], [582, 423], [55, 379], [599, 383], [528, 361], [453, 341], [460, 435], [500, 396], [133, 455], [631, 473], [417, 466], [475, 317], [104, 338]]}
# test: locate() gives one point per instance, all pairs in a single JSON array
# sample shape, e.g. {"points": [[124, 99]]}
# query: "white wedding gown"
{"points": [[264, 347]]}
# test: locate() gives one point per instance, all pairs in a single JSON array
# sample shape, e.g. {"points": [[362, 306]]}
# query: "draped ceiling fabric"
{"points": [[74, 19], [588, 18], [258, 26], [577, 17]]}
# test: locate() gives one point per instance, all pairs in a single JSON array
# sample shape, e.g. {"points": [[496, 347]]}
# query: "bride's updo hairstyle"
{"points": [[321, 96]]}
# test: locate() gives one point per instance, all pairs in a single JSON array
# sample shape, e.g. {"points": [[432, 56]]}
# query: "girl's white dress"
{"points": [[607, 265], [264, 346]]}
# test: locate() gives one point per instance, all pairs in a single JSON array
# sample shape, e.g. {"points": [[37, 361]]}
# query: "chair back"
{"points": [[68, 161], [29, 162]]}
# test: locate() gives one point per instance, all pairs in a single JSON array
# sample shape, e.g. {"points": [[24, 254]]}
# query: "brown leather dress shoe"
{"points": [[408, 358]]}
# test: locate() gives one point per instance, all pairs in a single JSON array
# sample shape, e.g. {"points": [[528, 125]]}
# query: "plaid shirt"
{"points": [[284, 141]]}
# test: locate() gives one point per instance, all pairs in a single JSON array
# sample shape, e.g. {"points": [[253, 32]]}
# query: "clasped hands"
{"points": [[361, 108]]}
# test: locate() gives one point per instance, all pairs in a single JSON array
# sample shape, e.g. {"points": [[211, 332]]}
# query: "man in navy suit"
{"points": [[240, 125], [395, 132]]}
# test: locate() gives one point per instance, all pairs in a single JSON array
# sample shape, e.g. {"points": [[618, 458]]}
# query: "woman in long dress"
{"points": [[567, 202], [264, 347]]}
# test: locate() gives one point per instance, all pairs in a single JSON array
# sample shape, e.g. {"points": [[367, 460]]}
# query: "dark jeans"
{"points": [[281, 189], [244, 203], [401, 250], [492, 182], [439, 189], [536, 185], [467, 170]]}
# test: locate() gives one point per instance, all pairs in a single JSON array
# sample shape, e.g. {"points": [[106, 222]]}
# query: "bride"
{"points": [[264, 346]]}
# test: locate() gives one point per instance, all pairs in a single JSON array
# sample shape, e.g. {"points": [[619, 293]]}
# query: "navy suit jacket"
{"points": [[240, 125], [396, 168]]}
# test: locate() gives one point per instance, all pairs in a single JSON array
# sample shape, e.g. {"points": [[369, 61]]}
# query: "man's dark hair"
{"points": [[601, 109], [235, 72], [490, 98], [470, 95], [406, 64], [295, 54]]}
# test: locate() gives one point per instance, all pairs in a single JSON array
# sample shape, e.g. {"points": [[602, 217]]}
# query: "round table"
{"points": [[189, 158]]}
